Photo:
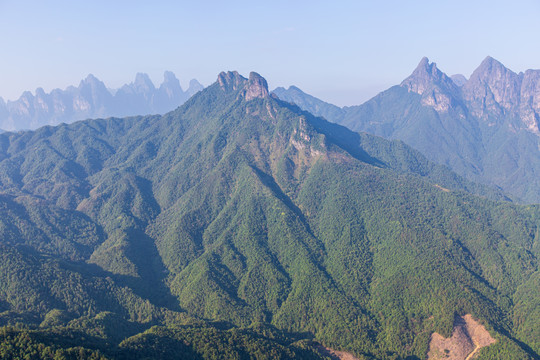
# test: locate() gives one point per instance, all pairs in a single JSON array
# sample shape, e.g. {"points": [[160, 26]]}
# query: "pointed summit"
{"points": [[423, 64], [169, 95], [422, 77], [89, 80], [435, 87], [143, 82], [492, 70], [492, 85], [231, 80], [193, 83], [254, 87], [171, 85], [425, 76], [257, 87], [92, 84], [489, 63], [194, 87], [169, 77], [40, 92]]}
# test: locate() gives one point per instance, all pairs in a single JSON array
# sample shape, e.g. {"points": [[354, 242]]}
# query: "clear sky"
{"points": [[341, 51]]}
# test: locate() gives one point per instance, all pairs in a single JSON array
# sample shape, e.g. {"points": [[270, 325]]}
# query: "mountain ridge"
{"points": [[92, 99], [242, 209], [484, 129]]}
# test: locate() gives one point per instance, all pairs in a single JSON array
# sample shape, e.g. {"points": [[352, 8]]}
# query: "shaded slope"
{"points": [[485, 128], [241, 208]]}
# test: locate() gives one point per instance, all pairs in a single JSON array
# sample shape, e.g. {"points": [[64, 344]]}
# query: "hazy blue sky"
{"points": [[341, 51]]}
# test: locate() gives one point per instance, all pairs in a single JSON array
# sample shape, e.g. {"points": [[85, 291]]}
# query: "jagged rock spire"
{"points": [[254, 87], [257, 87]]}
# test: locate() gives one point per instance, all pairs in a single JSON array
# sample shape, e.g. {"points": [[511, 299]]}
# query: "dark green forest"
{"points": [[239, 226]]}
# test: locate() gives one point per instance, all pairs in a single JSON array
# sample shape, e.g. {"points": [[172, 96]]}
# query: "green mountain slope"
{"points": [[485, 128], [238, 207]]}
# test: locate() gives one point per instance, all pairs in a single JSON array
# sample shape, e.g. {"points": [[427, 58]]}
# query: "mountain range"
{"points": [[240, 226], [485, 128], [92, 99]]}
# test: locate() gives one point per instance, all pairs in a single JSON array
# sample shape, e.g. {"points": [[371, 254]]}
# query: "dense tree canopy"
{"points": [[136, 235]]}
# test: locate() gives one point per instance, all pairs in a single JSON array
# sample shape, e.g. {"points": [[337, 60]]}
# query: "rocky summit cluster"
{"points": [[92, 99], [484, 128]]}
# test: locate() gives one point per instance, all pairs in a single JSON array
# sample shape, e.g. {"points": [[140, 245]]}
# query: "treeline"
{"points": [[187, 342]]}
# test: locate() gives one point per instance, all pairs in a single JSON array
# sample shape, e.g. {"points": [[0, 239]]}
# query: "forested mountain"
{"points": [[309, 103], [92, 99], [239, 224], [484, 128]]}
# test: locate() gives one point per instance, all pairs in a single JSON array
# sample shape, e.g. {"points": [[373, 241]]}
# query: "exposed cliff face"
{"points": [[168, 92], [529, 101], [257, 87], [254, 87], [435, 87], [426, 76], [485, 128], [492, 89], [493, 93], [231, 80]]}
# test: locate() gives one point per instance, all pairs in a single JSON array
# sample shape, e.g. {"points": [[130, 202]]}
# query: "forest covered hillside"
{"points": [[484, 128], [240, 224]]}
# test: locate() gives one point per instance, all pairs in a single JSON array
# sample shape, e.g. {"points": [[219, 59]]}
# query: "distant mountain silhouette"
{"points": [[92, 99]]}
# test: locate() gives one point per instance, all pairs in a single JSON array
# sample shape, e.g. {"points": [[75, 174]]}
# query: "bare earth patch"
{"points": [[441, 188], [334, 354], [468, 337]]}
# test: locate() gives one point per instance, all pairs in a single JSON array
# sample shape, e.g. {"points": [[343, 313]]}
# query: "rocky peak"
{"points": [[170, 86], [143, 83], [91, 98], [530, 88], [425, 76], [488, 67], [254, 87], [435, 87], [40, 92], [194, 87], [529, 106], [94, 85], [27, 96], [494, 85], [90, 80], [257, 87], [195, 84], [231, 81], [169, 77], [91, 93]]}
